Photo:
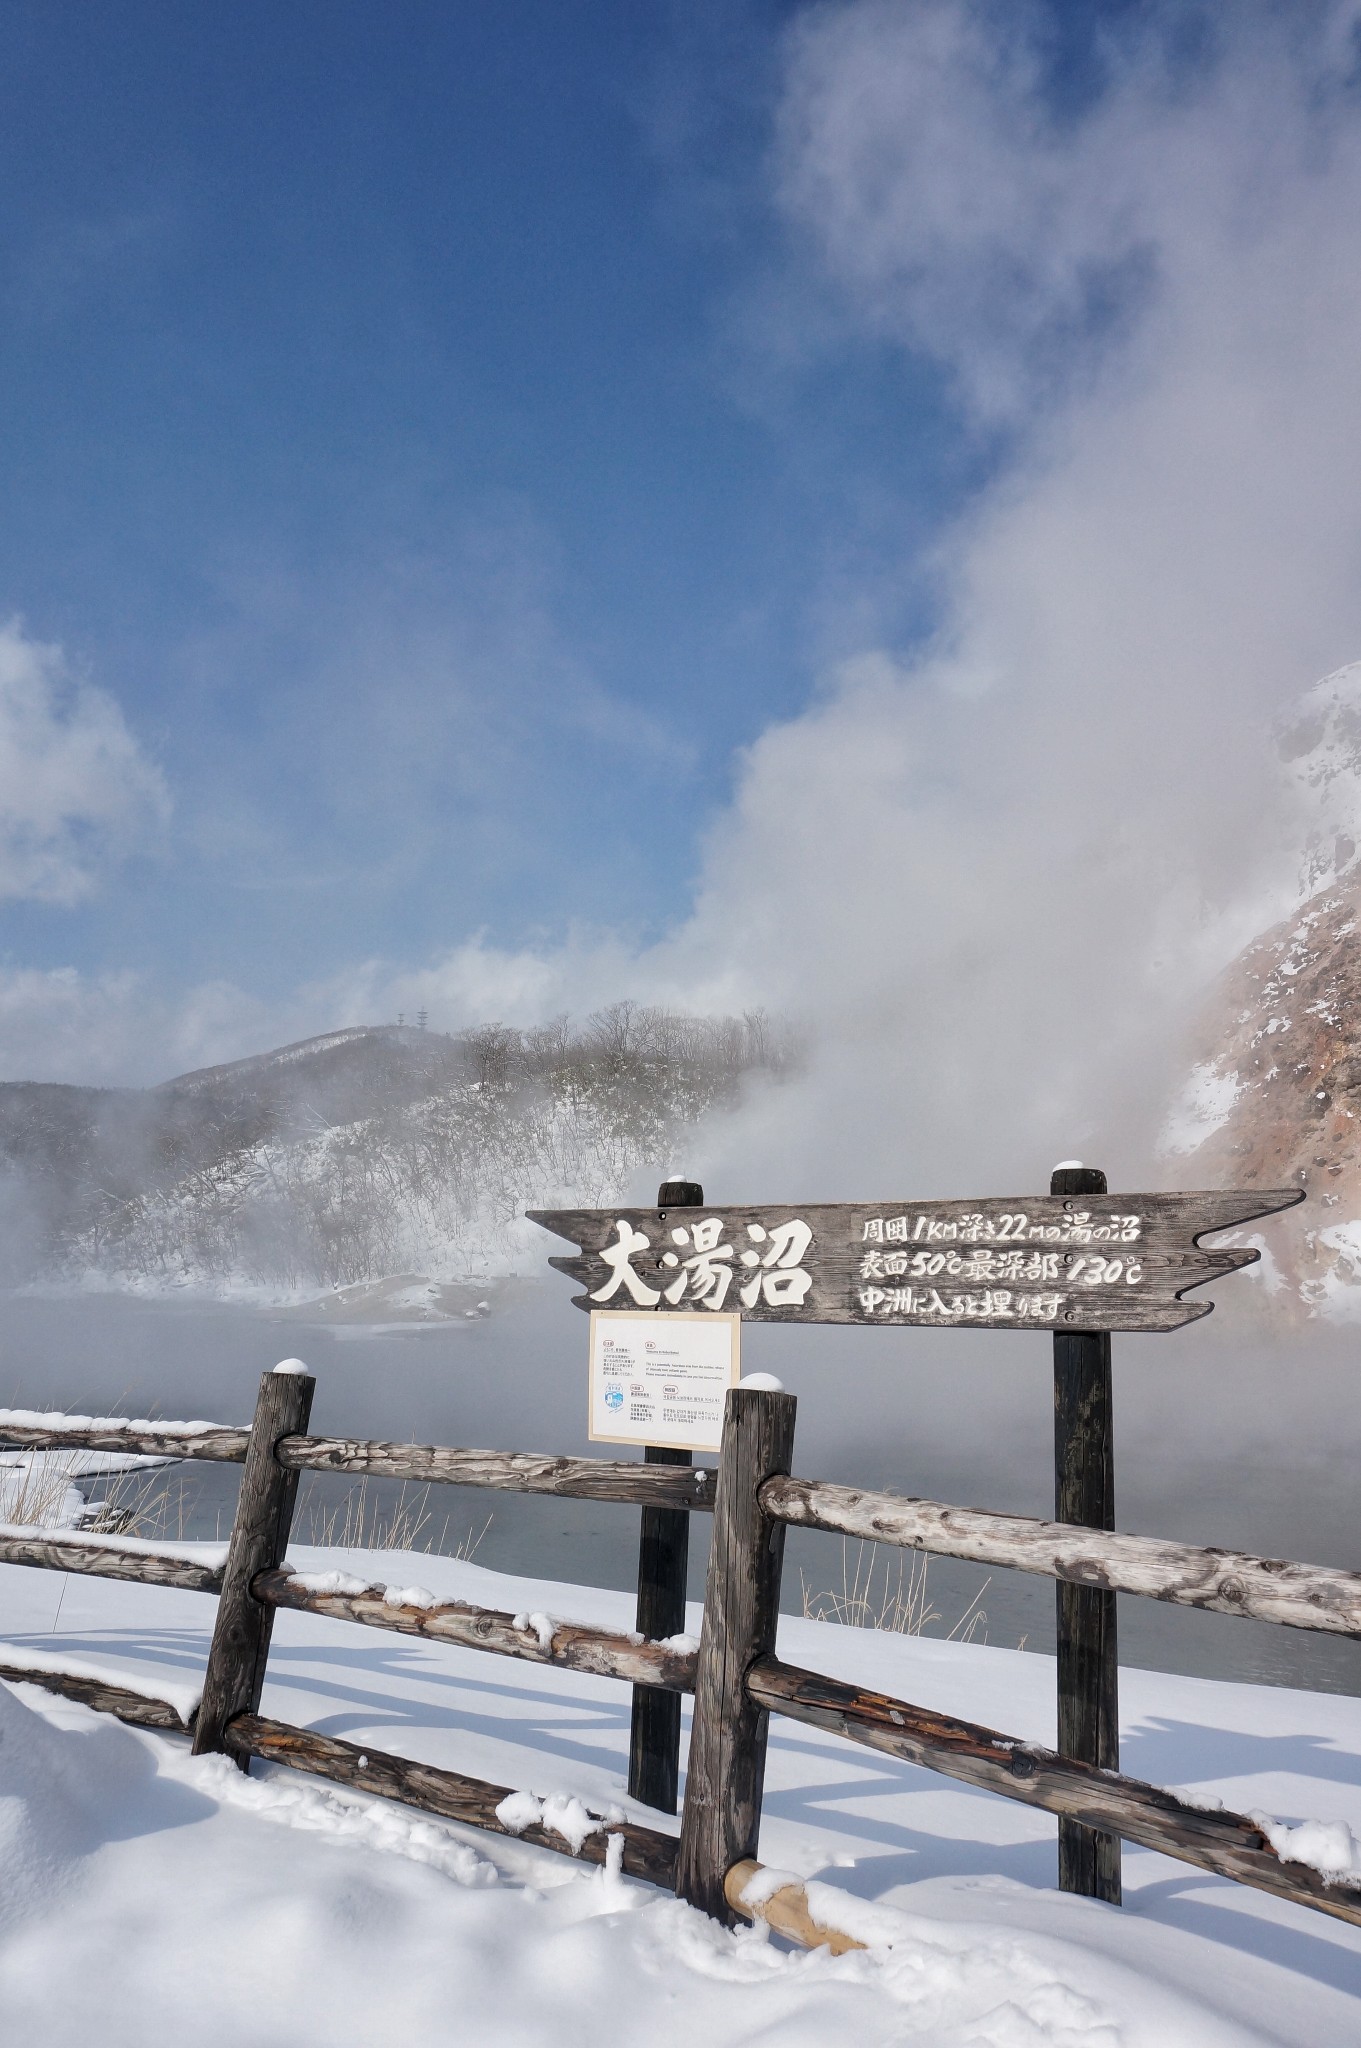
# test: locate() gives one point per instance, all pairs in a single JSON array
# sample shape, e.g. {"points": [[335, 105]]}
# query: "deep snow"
{"points": [[147, 1896]]}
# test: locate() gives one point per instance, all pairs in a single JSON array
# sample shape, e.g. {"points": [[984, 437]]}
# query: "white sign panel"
{"points": [[661, 1379]]}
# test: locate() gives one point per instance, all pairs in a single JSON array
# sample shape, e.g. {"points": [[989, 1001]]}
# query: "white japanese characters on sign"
{"points": [[1009, 1226], [999, 1247], [1056, 1261], [661, 1379], [698, 1266]]}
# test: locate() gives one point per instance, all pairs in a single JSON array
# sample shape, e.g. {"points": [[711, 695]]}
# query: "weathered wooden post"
{"points": [[726, 1773], [663, 1569], [235, 1676], [1084, 1493]]}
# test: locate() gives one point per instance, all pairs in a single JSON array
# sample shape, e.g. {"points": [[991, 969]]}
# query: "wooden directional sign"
{"points": [[1034, 1262]]}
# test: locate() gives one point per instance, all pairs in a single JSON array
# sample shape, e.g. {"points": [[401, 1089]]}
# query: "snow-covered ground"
{"points": [[148, 1897]]}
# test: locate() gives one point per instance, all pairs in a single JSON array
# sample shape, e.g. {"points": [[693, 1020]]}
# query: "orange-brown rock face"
{"points": [[1275, 1099]]}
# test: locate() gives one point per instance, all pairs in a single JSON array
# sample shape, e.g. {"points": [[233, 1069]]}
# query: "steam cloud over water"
{"points": [[987, 875], [993, 874], [999, 874]]}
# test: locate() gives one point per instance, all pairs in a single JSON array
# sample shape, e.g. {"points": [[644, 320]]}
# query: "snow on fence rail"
{"points": [[540, 1638], [509, 1471], [36, 1430], [56, 1674], [1213, 1839], [735, 1675], [563, 1824], [197, 1567]]}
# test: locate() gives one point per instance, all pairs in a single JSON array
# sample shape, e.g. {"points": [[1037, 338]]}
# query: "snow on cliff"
{"points": [[1274, 1097]]}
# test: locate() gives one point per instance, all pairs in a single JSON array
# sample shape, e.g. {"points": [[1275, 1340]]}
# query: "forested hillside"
{"points": [[365, 1153]]}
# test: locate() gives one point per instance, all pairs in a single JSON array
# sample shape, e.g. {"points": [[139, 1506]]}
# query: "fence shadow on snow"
{"points": [[735, 1676]]}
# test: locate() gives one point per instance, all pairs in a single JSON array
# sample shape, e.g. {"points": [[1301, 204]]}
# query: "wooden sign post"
{"points": [[663, 1571], [1078, 1261], [1084, 1493]]}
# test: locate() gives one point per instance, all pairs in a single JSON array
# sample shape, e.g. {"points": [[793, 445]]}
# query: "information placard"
{"points": [[661, 1379]]}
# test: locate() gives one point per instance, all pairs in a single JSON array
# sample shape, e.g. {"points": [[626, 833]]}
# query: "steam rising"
{"points": [[994, 874], [999, 874]]}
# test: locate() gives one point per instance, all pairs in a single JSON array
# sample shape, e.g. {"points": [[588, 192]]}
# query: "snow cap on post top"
{"points": [[762, 1382], [291, 1365]]}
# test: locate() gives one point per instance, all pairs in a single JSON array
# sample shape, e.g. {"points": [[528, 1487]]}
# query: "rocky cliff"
{"points": [[1274, 1098]]}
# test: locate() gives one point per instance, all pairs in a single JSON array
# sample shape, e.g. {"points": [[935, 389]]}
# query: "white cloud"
{"points": [[60, 1025], [914, 154], [921, 154], [995, 876], [74, 785], [119, 1030], [114, 1030], [477, 983]]}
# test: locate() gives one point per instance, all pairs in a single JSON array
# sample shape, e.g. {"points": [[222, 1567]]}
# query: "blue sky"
{"points": [[510, 507], [389, 425]]}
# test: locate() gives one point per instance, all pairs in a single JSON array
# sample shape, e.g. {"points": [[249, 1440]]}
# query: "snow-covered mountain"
{"points": [[1274, 1097], [365, 1154], [383, 1154]]}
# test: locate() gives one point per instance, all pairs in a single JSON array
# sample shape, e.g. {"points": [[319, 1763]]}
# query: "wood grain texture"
{"points": [[663, 1581], [786, 1910], [1087, 1660], [1104, 1262], [1312, 1596], [264, 1513], [69, 1554], [133, 1707], [646, 1853], [224, 1446], [510, 1471], [571, 1647], [1229, 1844], [663, 1573], [721, 1819]]}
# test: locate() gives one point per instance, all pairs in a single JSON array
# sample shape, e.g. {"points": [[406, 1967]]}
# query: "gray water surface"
{"points": [[1221, 1438]]}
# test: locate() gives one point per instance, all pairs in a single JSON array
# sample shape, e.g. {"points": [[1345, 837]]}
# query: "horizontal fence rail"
{"points": [[1311, 1596], [786, 1909], [659, 1486], [649, 1486], [106, 1698], [756, 1501], [646, 1851], [538, 1638], [109, 1557], [1229, 1844], [33, 1432]]}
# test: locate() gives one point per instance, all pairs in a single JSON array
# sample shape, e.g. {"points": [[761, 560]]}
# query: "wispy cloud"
{"points": [[969, 200], [75, 786], [994, 874], [998, 872]]}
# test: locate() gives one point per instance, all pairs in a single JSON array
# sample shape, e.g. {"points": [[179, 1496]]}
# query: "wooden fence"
{"points": [[736, 1677]]}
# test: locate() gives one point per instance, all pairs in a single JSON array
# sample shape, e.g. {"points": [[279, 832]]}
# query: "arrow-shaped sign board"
{"points": [[1034, 1262]]}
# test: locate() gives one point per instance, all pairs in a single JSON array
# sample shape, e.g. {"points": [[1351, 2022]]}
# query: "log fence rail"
{"points": [[1310, 1596], [113, 1557], [735, 1675], [538, 1638]]}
